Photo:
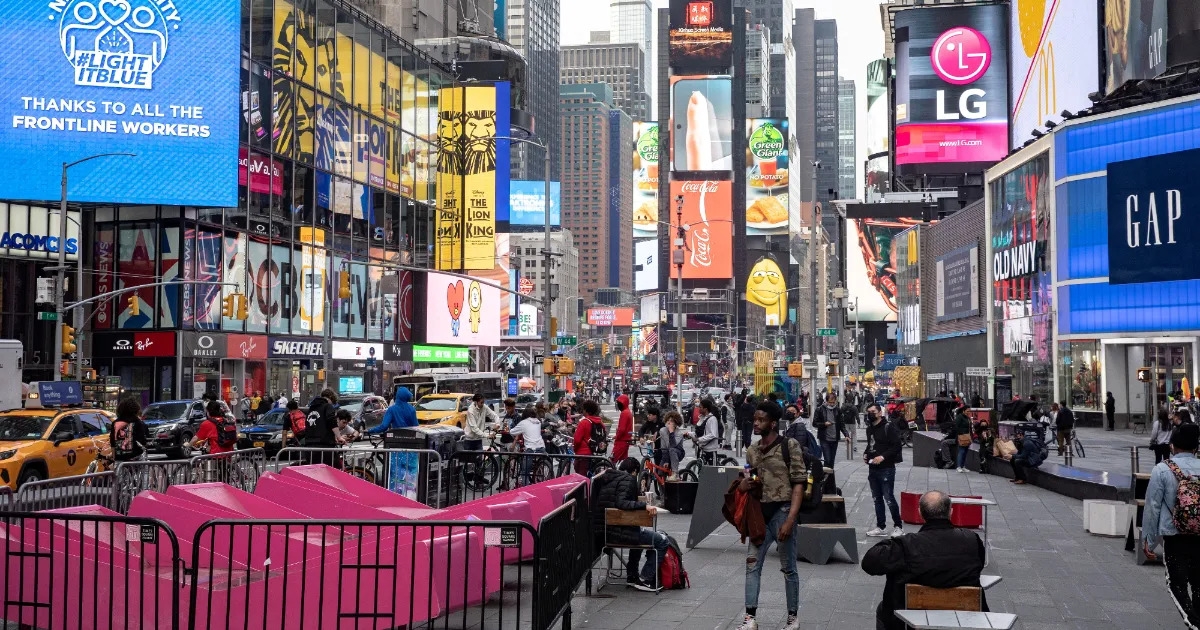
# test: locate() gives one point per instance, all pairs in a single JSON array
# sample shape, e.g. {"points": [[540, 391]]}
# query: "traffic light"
{"points": [[229, 306], [135, 306], [68, 339], [591, 346], [616, 360], [243, 311], [604, 348], [682, 347], [1143, 375], [344, 285]]}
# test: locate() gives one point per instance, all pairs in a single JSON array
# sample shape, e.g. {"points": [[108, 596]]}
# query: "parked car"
{"points": [[443, 409], [40, 444], [171, 424], [369, 413], [266, 433]]}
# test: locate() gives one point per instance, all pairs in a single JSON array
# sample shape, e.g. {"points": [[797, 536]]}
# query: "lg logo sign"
{"points": [[961, 56]]}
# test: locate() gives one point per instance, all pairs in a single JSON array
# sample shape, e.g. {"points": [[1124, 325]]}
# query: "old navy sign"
{"points": [[1018, 261], [1152, 219]]}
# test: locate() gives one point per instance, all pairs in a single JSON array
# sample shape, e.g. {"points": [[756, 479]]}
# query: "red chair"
{"points": [[968, 516], [910, 508]]}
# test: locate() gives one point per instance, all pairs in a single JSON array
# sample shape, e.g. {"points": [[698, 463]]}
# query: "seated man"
{"points": [[618, 489], [1030, 454], [940, 555]]}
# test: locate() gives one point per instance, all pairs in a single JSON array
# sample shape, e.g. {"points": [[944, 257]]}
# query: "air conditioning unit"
{"points": [[700, 294]]}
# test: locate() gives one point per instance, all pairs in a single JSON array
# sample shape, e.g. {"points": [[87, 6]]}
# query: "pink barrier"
{"points": [[76, 554], [316, 501], [515, 512], [227, 497], [366, 492]]}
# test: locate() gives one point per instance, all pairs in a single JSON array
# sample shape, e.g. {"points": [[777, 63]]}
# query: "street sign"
{"points": [[47, 316], [526, 286], [810, 364], [566, 341], [979, 371], [539, 358], [835, 355], [826, 332]]}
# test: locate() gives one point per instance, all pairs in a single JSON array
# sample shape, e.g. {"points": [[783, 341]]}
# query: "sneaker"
{"points": [[643, 586], [748, 623], [897, 532], [793, 623], [878, 532], [962, 470]]}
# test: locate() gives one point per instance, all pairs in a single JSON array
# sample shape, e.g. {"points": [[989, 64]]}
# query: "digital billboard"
{"points": [[708, 218], [155, 79], [767, 287], [610, 316], [1135, 38], [461, 312], [1055, 60], [767, 177], [701, 34], [645, 265], [645, 179], [879, 130], [702, 120], [527, 204], [472, 172], [871, 264], [951, 86]]}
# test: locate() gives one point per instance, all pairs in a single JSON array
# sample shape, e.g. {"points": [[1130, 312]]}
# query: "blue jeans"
{"points": [[829, 449], [883, 488], [654, 557], [527, 463], [787, 558], [962, 455]]}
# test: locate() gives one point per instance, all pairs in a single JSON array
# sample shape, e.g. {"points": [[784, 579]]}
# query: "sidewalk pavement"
{"points": [[1056, 575]]}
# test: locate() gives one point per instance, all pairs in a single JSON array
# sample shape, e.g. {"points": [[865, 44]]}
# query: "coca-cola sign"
{"points": [[707, 216]]}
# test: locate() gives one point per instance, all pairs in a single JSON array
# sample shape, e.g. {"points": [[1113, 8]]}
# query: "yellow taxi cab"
{"points": [[443, 408], [38, 444]]}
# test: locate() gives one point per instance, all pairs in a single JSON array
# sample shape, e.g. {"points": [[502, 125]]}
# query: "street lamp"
{"points": [[62, 261], [548, 253]]}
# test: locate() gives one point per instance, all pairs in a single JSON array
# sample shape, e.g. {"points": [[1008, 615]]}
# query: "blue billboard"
{"points": [[527, 203], [156, 78], [1150, 230]]}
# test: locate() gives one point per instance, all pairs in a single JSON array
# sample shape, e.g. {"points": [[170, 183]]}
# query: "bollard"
{"points": [[1135, 465], [1069, 457]]}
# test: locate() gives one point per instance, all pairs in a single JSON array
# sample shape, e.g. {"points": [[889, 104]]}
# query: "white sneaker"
{"points": [[748, 623], [962, 470], [793, 623], [897, 532], [878, 532]]}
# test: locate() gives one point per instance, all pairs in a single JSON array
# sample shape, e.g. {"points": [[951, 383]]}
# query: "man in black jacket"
{"points": [[882, 453], [618, 489], [939, 556], [830, 427], [322, 413], [745, 419], [1064, 423]]}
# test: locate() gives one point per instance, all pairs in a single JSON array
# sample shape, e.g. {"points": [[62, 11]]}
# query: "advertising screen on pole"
{"points": [[871, 264], [951, 86], [151, 78], [645, 265], [461, 312], [610, 316], [879, 129], [527, 204], [1055, 61], [767, 177], [701, 34], [702, 120], [708, 217], [645, 179]]}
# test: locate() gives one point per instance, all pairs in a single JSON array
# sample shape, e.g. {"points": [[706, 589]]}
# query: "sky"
{"points": [[860, 41]]}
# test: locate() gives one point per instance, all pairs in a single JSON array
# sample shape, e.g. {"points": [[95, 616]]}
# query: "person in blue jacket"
{"points": [[400, 415]]}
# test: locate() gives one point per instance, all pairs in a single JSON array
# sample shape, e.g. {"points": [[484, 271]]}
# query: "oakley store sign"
{"points": [[204, 345], [133, 344]]}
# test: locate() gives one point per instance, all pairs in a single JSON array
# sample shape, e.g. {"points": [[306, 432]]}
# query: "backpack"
{"points": [[805, 438], [598, 440], [299, 423], [122, 440], [226, 432], [671, 574], [815, 465], [1186, 515]]}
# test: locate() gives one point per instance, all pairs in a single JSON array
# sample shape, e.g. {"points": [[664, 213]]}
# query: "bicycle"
{"points": [[1077, 445], [709, 458], [364, 463], [654, 477]]}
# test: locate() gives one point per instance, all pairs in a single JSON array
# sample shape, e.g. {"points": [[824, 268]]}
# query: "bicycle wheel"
{"points": [[688, 475], [512, 473], [1078, 448], [694, 467], [362, 472], [480, 474], [541, 470], [725, 460]]}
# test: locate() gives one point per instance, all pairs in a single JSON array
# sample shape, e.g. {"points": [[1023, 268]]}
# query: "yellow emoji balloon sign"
{"points": [[768, 289]]}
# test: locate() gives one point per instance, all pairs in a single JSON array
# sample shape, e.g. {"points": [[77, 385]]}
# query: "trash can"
{"points": [[410, 474], [679, 497]]}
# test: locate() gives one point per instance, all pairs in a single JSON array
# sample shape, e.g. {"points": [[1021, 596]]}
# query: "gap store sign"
{"points": [[1153, 218], [155, 78]]}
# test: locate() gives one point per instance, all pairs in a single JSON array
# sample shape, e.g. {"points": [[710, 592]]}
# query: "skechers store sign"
{"points": [[1153, 218]]}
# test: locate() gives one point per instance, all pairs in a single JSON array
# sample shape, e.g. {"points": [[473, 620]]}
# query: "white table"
{"points": [[988, 581], [956, 620], [985, 503]]}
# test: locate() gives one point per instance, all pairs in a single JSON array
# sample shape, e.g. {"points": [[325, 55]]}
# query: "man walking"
{"points": [[777, 472], [1064, 423], [1166, 519], [881, 455], [830, 428], [1110, 412]]}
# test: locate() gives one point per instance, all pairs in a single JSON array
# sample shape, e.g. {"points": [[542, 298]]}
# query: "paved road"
{"points": [[1056, 576]]}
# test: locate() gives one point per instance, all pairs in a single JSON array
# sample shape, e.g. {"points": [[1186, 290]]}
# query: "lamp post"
{"points": [[59, 289], [812, 271]]}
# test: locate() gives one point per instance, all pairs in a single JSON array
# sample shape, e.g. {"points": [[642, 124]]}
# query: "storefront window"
{"points": [[1079, 375]]}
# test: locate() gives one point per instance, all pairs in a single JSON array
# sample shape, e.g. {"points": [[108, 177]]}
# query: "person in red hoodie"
{"points": [[585, 443], [624, 433]]}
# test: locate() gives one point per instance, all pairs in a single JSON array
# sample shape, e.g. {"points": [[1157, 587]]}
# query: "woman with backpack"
{"points": [[591, 436], [1172, 516], [217, 432], [129, 434]]}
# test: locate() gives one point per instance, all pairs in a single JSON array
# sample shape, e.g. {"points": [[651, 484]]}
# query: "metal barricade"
{"points": [[66, 492], [479, 474], [89, 571], [240, 469], [138, 475], [563, 559], [364, 574], [419, 474]]}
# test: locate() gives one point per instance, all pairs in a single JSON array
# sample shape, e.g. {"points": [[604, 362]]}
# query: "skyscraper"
{"points": [[431, 19], [631, 22], [620, 66], [825, 32], [771, 13], [533, 27], [597, 192], [847, 141], [758, 70]]}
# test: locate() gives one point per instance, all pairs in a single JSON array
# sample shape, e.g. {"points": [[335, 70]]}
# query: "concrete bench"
{"points": [[816, 543]]}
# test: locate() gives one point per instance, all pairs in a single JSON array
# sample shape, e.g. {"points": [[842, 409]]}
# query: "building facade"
{"points": [[427, 19], [758, 70], [532, 28], [619, 65], [827, 105], [593, 172], [847, 140], [563, 274], [632, 22]]}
